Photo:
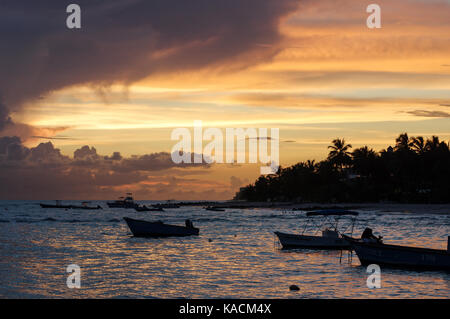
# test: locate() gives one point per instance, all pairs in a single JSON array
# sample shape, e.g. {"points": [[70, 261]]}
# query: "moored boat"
{"points": [[84, 205], [401, 256], [123, 202], [144, 208], [214, 209], [142, 228], [168, 204], [59, 205], [56, 205], [331, 238]]}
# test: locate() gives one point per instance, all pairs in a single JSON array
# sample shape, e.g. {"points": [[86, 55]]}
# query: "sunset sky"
{"points": [[138, 69]]}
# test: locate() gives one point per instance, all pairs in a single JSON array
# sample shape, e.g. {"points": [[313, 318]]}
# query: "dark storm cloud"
{"points": [[86, 152], [84, 157], [4, 116], [122, 41], [45, 171]]}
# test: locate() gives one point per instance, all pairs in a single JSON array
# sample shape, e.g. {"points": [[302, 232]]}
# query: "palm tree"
{"points": [[432, 144], [418, 144], [311, 165], [339, 154], [444, 146], [402, 142], [364, 160]]}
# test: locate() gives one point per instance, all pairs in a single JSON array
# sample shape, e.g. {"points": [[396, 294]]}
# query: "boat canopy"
{"points": [[332, 212]]}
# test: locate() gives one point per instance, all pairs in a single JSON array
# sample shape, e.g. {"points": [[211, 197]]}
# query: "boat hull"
{"points": [[401, 256], [141, 228], [215, 209], [55, 206], [121, 205], [146, 209], [166, 206], [69, 207], [289, 241]]}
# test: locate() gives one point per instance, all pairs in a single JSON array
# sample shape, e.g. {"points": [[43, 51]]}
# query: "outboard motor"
{"points": [[189, 224], [330, 233]]}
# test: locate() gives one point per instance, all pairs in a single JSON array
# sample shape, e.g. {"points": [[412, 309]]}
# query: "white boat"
{"points": [[330, 237], [142, 228]]}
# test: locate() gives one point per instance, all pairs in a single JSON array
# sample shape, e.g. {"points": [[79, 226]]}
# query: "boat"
{"points": [[142, 228], [56, 205], [168, 204], [329, 240], [148, 209], [331, 237], [215, 209], [123, 202], [396, 256], [84, 205]]}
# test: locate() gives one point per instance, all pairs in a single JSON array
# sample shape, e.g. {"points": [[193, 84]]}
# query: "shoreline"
{"points": [[406, 208]]}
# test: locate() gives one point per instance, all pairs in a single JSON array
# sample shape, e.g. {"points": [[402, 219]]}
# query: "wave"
{"points": [[19, 220], [209, 219], [281, 216]]}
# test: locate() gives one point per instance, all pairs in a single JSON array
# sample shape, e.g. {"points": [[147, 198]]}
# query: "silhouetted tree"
{"points": [[402, 143], [411, 171], [417, 144], [339, 154], [364, 161]]}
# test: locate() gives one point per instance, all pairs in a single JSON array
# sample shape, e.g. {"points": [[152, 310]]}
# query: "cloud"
{"points": [[44, 172], [237, 182], [424, 113], [5, 119], [85, 152], [260, 138], [52, 138], [124, 41], [46, 153]]}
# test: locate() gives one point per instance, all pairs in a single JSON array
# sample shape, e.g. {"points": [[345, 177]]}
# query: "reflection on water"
{"points": [[234, 256]]}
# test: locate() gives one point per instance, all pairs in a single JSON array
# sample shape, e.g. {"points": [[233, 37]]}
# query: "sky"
{"points": [[88, 113]]}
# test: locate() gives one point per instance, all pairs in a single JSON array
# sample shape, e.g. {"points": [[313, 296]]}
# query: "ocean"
{"points": [[235, 255]]}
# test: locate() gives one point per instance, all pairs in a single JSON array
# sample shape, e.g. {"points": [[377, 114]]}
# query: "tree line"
{"points": [[415, 170]]}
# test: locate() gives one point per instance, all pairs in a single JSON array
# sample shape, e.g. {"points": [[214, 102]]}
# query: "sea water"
{"points": [[235, 256]]}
